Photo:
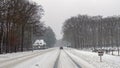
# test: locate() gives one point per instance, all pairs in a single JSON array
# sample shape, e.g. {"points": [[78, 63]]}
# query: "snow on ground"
{"points": [[46, 60], [56, 58], [80, 61], [17, 54], [109, 61], [13, 55], [115, 53], [19, 58], [65, 61]]}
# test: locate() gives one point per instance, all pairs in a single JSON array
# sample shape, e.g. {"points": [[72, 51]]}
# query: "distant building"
{"points": [[39, 44]]}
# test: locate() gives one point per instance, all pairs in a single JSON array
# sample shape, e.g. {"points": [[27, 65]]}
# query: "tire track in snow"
{"points": [[84, 64], [73, 60], [11, 63], [57, 60]]}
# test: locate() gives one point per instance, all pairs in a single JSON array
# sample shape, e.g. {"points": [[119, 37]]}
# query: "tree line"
{"points": [[48, 37], [85, 31], [19, 24]]}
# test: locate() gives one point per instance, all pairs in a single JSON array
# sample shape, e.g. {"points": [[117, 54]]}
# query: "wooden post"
{"points": [[100, 58], [100, 53]]}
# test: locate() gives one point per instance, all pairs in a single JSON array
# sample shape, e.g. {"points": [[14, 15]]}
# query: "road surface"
{"points": [[49, 58]]}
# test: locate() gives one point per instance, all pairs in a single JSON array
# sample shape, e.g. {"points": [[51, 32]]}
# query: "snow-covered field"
{"points": [[56, 58], [108, 61]]}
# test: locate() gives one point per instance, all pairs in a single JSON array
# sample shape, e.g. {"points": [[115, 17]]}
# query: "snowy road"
{"points": [[56, 58], [49, 58], [65, 61], [11, 62]]}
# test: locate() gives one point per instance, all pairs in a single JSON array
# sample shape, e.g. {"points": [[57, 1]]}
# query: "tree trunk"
{"points": [[22, 38]]}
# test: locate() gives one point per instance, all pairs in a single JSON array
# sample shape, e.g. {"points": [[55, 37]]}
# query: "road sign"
{"points": [[100, 53]]}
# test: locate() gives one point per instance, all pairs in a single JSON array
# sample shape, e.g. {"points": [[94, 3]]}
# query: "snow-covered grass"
{"points": [[108, 61], [14, 55], [115, 53], [17, 54]]}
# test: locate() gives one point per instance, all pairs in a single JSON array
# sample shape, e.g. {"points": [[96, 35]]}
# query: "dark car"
{"points": [[61, 47]]}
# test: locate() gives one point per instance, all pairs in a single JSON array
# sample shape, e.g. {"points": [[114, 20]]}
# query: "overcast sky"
{"points": [[57, 11]]}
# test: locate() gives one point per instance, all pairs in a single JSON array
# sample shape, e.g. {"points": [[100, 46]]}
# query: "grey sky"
{"points": [[57, 11]]}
